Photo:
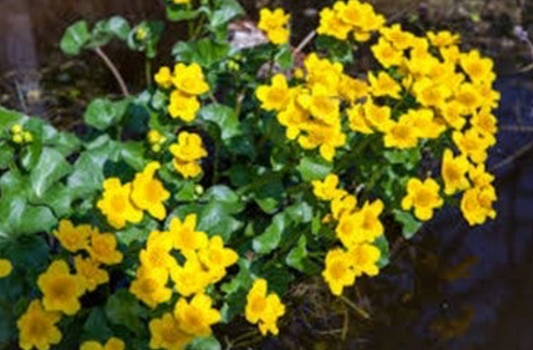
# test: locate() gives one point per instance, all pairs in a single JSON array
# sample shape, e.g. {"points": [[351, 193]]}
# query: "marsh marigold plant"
{"points": [[240, 172]]}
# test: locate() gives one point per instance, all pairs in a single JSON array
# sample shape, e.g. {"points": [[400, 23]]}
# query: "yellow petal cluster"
{"points": [[187, 83], [274, 24], [61, 290], [125, 203], [262, 308], [37, 327], [347, 18], [73, 238], [424, 197], [90, 272], [188, 152]]}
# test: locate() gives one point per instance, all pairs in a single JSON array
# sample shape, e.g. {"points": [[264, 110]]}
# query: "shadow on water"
{"points": [[453, 287]]}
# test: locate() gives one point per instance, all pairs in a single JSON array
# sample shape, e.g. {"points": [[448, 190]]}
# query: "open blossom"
{"points": [[166, 333], [423, 196], [73, 238], [148, 192], [5, 268], [116, 204], [187, 153], [61, 289], [37, 327], [111, 344], [274, 24], [197, 316], [263, 309]]}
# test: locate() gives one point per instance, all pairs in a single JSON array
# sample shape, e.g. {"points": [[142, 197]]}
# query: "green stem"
{"points": [[148, 71], [359, 310]]}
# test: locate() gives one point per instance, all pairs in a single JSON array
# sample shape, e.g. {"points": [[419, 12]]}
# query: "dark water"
{"points": [[453, 287]]}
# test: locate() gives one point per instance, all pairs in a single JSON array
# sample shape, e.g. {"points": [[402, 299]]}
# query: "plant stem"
{"points": [[359, 310], [111, 66], [148, 71]]}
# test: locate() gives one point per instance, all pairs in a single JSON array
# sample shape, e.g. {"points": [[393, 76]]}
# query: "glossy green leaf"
{"points": [[271, 237], [21, 218], [216, 219], [96, 327], [314, 168], [205, 52], [122, 308], [224, 117], [410, 225], [102, 113], [206, 343], [75, 38], [176, 13], [50, 168], [383, 245], [226, 11], [284, 57]]}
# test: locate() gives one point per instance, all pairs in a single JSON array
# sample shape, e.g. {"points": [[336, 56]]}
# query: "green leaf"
{"points": [[75, 38], [6, 155], [176, 13], [133, 154], [410, 225], [224, 117], [96, 328], [227, 10], [29, 253], [409, 159], [187, 192], [148, 40], [8, 118], [20, 218], [338, 50], [102, 113], [226, 195], [207, 343], [205, 52], [122, 308], [297, 258], [383, 245], [300, 213], [216, 219], [314, 168], [270, 238], [51, 167], [106, 30], [284, 57], [87, 175]]}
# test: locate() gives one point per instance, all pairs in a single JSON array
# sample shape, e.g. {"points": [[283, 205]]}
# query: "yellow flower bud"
{"points": [[156, 148], [154, 136], [199, 189], [16, 129], [27, 136], [17, 138]]}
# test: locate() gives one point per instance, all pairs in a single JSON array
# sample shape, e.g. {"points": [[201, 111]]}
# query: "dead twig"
{"points": [[111, 66]]}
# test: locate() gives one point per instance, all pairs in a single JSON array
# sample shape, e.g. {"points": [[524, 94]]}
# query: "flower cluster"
{"points": [[186, 83], [263, 309], [356, 228], [206, 261], [156, 140], [19, 135], [187, 153], [126, 203], [352, 17], [274, 24]]}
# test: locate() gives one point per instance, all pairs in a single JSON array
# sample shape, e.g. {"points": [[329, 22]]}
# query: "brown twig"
{"points": [[305, 41], [111, 66]]}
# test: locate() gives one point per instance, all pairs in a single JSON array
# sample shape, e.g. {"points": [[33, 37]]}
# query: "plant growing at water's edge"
{"points": [[237, 174]]}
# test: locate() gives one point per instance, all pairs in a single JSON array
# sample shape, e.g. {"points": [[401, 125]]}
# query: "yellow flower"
{"points": [[196, 317], [293, 117], [401, 40], [443, 38], [189, 147], [116, 204], [331, 24], [73, 238], [358, 122], [486, 124], [384, 85], [364, 259], [352, 89], [38, 328], [378, 117], [183, 106], [148, 193], [274, 23], [386, 54], [423, 196], [361, 226], [476, 204], [157, 254], [104, 248], [478, 68], [163, 78], [263, 309], [343, 205], [479, 176], [187, 169], [90, 272], [149, 286], [323, 107], [217, 258], [179, 2], [402, 134], [191, 278], [431, 94], [424, 123], [166, 333], [470, 97], [111, 344], [472, 145], [5, 268], [338, 273], [61, 290], [453, 172], [326, 190], [453, 112], [185, 236], [321, 71], [276, 96], [189, 79]]}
